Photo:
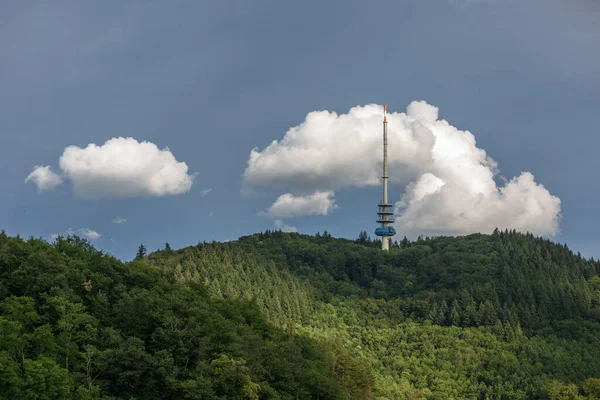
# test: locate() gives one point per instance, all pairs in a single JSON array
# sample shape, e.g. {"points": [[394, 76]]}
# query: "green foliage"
{"points": [[76, 323], [287, 316], [229, 272]]}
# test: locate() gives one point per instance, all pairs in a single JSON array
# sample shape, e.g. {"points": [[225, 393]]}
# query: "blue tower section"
{"points": [[384, 219]]}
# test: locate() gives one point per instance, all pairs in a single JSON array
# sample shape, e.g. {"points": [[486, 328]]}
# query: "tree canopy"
{"points": [[287, 316]]}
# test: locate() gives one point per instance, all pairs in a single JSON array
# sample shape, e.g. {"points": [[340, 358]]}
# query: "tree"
{"points": [[362, 238], [404, 244], [231, 378], [455, 314], [141, 253], [167, 246], [74, 325]]}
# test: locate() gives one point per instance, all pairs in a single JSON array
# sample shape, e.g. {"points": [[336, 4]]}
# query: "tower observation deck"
{"points": [[385, 231]]}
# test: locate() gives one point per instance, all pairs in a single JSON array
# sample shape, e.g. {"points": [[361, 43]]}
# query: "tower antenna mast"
{"points": [[385, 231]]}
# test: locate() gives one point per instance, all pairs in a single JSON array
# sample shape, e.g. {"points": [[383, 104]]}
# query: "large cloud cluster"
{"points": [[449, 185], [121, 167]]}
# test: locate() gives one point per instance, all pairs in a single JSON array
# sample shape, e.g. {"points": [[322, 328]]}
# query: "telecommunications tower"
{"points": [[385, 214]]}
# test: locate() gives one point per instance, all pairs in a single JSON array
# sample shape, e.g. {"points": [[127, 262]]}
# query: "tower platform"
{"points": [[385, 231]]}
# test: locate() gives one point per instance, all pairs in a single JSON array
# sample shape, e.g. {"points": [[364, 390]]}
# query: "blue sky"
{"points": [[213, 80]]}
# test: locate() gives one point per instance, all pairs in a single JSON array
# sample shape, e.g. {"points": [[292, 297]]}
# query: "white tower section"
{"points": [[385, 213]]}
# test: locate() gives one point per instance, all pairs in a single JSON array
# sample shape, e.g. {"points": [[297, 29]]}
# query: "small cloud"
{"points": [[205, 192], [90, 234], [279, 224], [288, 205], [86, 233], [44, 178], [211, 214], [119, 220], [54, 236]]}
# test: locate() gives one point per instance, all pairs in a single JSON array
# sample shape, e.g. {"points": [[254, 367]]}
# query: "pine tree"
{"points": [[470, 317], [404, 244], [141, 253], [362, 238], [167, 247], [454, 314], [443, 311], [433, 313]]}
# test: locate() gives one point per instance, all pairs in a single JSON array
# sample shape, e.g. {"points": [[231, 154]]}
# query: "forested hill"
{"points": [[287, 316], [475, 280]]}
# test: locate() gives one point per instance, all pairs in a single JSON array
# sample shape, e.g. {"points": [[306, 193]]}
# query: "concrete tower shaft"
{"points": [[385, 213]]}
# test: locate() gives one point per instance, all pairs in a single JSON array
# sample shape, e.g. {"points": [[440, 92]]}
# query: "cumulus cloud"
{"points": [[119, 220], [123, 167], [289, 206], [448, 183], [433, 206], [85, 232], [330, 151], [44, 178], [280, 225]]}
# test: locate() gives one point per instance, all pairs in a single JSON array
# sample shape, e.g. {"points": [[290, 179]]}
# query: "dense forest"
{"points": [[279, 315]]}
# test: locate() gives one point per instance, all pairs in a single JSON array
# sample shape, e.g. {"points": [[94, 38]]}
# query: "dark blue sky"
{"points": [[213, 80]]}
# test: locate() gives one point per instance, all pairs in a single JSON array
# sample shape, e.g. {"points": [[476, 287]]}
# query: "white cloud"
{"points": [[448, 181], [211, 214], [330, 151], [44, 178], [123, 167], [205, 192], [119, 220], [288, 205], [86, 233], [435, 207], [279, 224], [89, 234]]}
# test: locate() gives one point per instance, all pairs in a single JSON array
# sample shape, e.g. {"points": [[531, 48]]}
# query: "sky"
{"points": [[151, 121]]}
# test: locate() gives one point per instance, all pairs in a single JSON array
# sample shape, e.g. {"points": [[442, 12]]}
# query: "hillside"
{"points": [[283, 316]]}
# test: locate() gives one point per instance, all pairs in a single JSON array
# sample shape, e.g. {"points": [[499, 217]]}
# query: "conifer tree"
{"points": [[404, 244], [455, 314], [141, 253]]}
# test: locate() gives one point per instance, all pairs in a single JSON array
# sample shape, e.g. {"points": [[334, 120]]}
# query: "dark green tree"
{"points": [[141, 253], [404, 243]]}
